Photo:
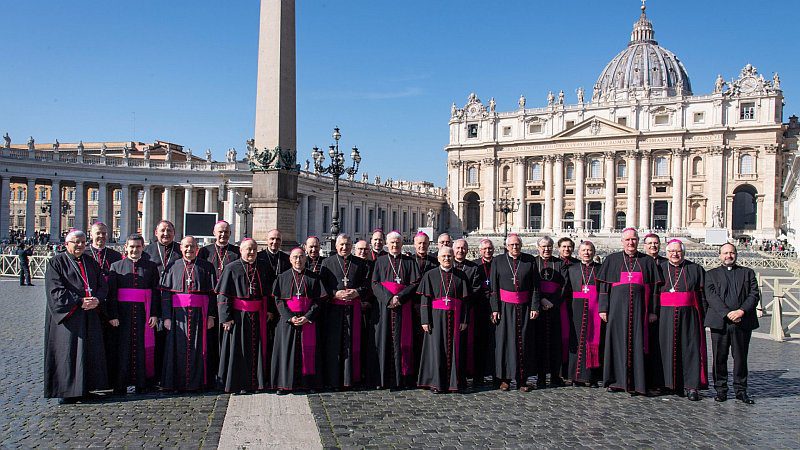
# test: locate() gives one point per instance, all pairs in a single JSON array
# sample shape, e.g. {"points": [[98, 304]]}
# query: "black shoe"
{"points": [[720, 397], [120, 391], [68, 400], [744, 398], [435, 391], [29, 284], [557, 382], [693, 395]]}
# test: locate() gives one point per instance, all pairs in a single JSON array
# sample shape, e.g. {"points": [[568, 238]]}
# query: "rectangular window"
{"points": [[661, 189], [341, 219], [662, 119], [394, 219], [472, 130], [748, 111], [620, 191], [570, 124], [699, 117], [569, 191], [371, 219], [405, 221], [357, 220], [506, 131], [326, 218], [534, 128], [622, 121]]}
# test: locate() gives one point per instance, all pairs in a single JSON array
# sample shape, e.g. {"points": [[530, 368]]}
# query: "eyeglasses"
{"points": [[77, 242]]}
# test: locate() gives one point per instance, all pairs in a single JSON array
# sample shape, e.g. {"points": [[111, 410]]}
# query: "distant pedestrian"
{"points": [[24, 266]]}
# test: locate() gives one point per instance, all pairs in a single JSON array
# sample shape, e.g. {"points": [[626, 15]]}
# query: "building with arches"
{"points": [[640, 149]]}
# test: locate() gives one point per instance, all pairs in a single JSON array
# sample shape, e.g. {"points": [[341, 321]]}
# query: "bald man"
{"points": [[189, 308], [314, 257]]}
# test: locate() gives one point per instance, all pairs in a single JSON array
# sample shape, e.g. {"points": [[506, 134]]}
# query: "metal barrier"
{"points": [[9, 265], [785, 302]]}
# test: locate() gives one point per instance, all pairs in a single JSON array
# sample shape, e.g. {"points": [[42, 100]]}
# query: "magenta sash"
{"points": [[406, 336], [308, 335], [143, 296], [516, 298], [638, 278], [356, 351], [453, 304], [196, 301], [260, 306], [592, 326], [681, 299]]}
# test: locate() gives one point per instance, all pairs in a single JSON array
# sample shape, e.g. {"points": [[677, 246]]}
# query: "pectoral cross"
{"points": [[487, 281], [672, 290], [446, 301], [89, 290], [188, 281], [345, 280], [585, 289], [398, 280], [630, 276]]}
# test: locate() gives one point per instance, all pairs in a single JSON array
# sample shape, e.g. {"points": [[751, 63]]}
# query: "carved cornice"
{"points": [[489, 161], [558, 159], [609, 155], [578, 157], [645, 153], [631, 154], [519, 160]]}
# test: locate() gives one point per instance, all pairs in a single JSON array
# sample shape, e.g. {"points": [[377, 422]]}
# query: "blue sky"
{"points": [[385, 72]]}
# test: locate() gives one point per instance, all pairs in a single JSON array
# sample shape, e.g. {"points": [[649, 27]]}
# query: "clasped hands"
{"points": [[394, 302], [346, 294], [496, 316], [427, 328]]}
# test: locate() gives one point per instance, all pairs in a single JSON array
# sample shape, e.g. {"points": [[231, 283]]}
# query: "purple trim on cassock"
{"points": [[592, 327], [143, 296], [407, 329], [301, 305], [196, 301], [260, 306]]}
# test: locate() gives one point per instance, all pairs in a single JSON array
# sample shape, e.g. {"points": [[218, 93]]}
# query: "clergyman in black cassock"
{"points": [[586, 328], [163, 251], [481, 328], [345, 277], [551, 329], [134, 300], [74, 357], [445, 291], [394, 283], [220, 253], [470, 269], [626, 285], [732, 295], [655, 371], [314, 258], [245, 308], [189, 306], [104, 256], [426, 262], [515, 302], [296, 359]]}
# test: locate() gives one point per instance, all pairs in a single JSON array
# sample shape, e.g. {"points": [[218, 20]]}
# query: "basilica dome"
{"points": [[643, 69]]}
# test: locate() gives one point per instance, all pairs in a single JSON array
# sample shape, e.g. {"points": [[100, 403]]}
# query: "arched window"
{"points": [[661, 166], [506, 174], [746, 165], [472, 175], [622, 170], [569, 221], [594, 169], [535, 172], [697, 166], [569, 171]]}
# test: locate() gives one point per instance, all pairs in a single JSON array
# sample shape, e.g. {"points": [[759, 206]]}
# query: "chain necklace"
{"points": [[586, 279], [514, 268], [677, 277], [544, 268], [345, 269], [446, 289], [188, 273], [630, 268], [397, 278], [299, 285], [78, 264], [222, 257], [251, 288]]}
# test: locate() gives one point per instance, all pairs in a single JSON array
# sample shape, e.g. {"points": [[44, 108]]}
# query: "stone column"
{"points": [[103, 207], [5, 207], [489, 167], [30, 208], [609, 208], [125, 213], [558, 193], [770, 207], [55, 211], [210, 200], [168, 204], [304, 216], [230, 213], [547, 209], [714, 165], [80, 205], [147, 210], [188, 199], [631, 166], [677, 189], [644, 191], [519, 180], [580, 187]]}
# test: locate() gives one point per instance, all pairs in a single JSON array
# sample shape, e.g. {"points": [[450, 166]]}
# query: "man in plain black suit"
{"points": [[732, 295]]}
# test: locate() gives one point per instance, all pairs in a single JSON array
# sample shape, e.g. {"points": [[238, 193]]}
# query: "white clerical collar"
{"points": [[299, 272], [135, 260], [446, 269], [395, 256]]}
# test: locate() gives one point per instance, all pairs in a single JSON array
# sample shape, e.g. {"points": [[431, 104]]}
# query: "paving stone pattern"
{"points": [[28, 420]]}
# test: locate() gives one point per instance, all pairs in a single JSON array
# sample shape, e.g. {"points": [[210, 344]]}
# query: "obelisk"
{"points": [[274, 198]]}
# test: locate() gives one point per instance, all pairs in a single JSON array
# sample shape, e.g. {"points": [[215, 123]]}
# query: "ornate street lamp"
{"points": [[336, 168], [243, 208], [506, 206]]}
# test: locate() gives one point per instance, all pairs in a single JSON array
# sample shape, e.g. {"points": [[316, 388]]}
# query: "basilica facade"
{"points": [[640, 149]]}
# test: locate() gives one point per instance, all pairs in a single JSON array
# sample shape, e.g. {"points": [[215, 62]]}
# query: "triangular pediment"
{"points": [[596, 127]]}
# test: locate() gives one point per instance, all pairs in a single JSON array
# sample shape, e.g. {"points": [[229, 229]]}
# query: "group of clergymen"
{"points": [[179, 317]]}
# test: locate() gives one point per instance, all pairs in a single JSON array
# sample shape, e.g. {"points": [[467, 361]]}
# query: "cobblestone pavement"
{"points": [[28, 420]]}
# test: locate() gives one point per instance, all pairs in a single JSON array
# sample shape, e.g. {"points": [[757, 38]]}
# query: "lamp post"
{"points": [[506, 206], [66, 208], [336, 168], [243, 208]]}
